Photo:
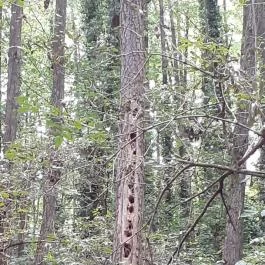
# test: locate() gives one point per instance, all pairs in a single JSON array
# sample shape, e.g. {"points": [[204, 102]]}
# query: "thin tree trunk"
{"points": [[53, 175], [225, 23], [174, 43], [163, 43], [11, 116], [1, 47], [260, 20], [130, 171], [233, 245]]}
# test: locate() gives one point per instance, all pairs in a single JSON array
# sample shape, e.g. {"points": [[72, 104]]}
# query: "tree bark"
{"points": [[260, 23], [54, 173], [233, 244], [163, 43], [1, 114], [130, 171], [11, 115], [14, 71], [211, 23], [174, 42]]}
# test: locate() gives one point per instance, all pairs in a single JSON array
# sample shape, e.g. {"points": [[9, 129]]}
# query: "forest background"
{"points": [[132, 132]]}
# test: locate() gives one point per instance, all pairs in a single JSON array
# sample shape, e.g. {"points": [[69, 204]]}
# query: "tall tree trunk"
{"points": [[130, 171], [210, 22], [233, 245], [166, 135], [54, 173], [14, 70], [163, 43], [1, 114], [260, 23], [174, 42], [185, 181], [11, 116]]}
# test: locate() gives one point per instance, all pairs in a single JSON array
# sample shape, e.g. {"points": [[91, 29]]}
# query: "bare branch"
{"points": [[176, 252]]}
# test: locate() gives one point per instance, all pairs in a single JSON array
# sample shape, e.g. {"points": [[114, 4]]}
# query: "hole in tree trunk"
{"points": [[133, 135], [130, 225], [127, 250], [130, 208], [135, 111], [131, 199], [128, 233]]}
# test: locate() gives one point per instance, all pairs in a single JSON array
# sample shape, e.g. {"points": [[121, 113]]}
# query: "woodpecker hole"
{"points": [[127, 250], [130, 226], [135, 111], [131, 199], [130, 208], [133, 135], [128, 233]]}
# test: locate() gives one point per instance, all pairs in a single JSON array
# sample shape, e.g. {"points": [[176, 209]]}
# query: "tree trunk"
{"points": [[1, 114], [130, 171], [11, 116], [163, 43], [174, 42], [260, 23], [54, 173], [211, 23], [233, 244], [14, 70]]}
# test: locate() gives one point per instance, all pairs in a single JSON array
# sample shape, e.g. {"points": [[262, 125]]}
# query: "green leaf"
{"points": [[68, 136], [21, 100], [58, 141], [10, 154], [78, 125], [4, 195], [21, 3]]}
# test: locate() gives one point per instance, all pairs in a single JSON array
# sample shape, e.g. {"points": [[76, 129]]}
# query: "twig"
{"points": [[220, 180], [193, 225], [150, 221], [226, 209]]}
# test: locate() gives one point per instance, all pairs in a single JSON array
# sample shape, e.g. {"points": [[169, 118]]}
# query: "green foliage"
{"points": [[85, 135]]}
